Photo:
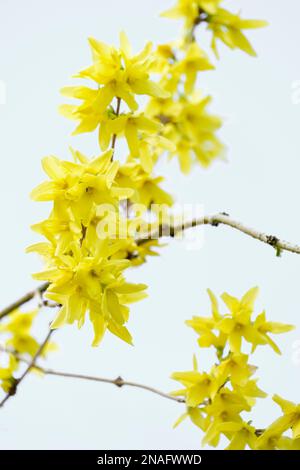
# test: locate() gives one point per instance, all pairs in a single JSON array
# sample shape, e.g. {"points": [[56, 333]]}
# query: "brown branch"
{"points": [[31, 365], [119, 382]]}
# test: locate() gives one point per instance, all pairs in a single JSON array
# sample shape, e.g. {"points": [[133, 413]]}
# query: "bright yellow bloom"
{"points": [[264, 327], [119, 74], [237, 324], [146, 188], [236, 368], [194, 61], [191, 9], [204, 327], [189, 125], [290, 419], [7, 380], [84, 265], [136, 129], [228, 27], [241, 435], [225, 407], [224, 25], [198, 386]]}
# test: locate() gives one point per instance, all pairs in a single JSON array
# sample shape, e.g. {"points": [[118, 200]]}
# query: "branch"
{"points": [[171, 231], [31, 364], [215, 221], [119, 382], [23, 300]]}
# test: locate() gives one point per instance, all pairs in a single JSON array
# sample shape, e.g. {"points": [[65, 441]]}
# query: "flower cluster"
{"points": [[184, 114], [85, 265], [18, 340], [118, 75], [218, 401], [224, 25]]}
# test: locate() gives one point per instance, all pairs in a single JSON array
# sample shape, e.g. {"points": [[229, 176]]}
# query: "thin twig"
{"points": [[172, 230], [215, 220], [23, 300], [114, 137], [31, 365], [119, 382]]}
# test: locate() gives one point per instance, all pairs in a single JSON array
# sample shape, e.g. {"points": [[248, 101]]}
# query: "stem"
{"points": [[215, 221], [31, 364], [119, 382], [23, 300], [171, 231], [114, 137]]}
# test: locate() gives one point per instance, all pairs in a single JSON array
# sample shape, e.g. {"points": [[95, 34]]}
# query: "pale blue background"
{"points": [[42, 45]]}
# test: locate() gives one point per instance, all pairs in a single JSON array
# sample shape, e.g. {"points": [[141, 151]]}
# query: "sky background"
{"points": [[42, 45]]}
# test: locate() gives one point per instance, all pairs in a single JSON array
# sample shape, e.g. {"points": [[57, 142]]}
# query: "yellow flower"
{"points": [[227, 27], [225, 407], [18, 333], [94, 284], [224, 25], [119, 74], [147, 189], [236, 368], [78, 186], [198, 386], [238, 324], [191, 128], [264, 327], [131, 126], [290, 419], [194, 61], [241, 435], [7, 379], [204, 327], [191, 9]]}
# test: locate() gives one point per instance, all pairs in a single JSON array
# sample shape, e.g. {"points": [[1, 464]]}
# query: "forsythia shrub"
{"points": [[99, 209]]}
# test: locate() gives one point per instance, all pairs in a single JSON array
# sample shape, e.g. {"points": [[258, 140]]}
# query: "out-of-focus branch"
{"points": [[23, 300], [119, 382], [31, 365]]}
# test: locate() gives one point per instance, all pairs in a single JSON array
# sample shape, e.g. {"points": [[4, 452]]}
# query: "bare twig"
{"points": [[23, 300], [215, 221], [119, 382], [172, 230], [31, 365]]}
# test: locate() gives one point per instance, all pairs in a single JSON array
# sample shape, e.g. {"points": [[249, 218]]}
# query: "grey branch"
{"points": [[119, 382], [171, 230]]}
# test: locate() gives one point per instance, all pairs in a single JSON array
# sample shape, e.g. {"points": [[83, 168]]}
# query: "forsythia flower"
{"points": [[119, 75], [83, 265], [237, 325], [7, 380], [18, 340], [198, 386], [194, 61], [228, 27], [189, 125], [224, 25], [217, 401], [290, 419]]}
